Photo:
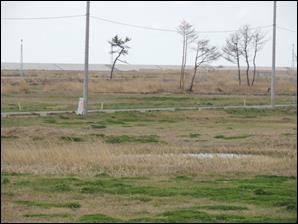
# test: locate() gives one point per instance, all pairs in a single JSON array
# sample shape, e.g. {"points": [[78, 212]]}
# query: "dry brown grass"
{"points": [[126, 160], [20, 86], [152, 81]]}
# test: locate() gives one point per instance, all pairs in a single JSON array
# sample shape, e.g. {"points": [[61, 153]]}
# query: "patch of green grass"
{"points": [[194, 135], [193, 215], [97, 126], [263, 191], [7, 193], [98, 218], [5, 181], [289, 134], [8, 137], [48, 216], [232, 137], [282, 189], [97, 135], [102, 174], [14, 174], [253, 112], [135, 139], [183, 178], [72, 138], [43, 204], [64, 117], [51, 184], [222, 207], [141, 198], [62, 187], [50, 120]]}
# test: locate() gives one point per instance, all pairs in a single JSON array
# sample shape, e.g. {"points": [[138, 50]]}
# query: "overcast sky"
{"points": [[62, 40]]}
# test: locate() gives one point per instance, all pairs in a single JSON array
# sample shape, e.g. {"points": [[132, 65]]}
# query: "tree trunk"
{"points": [[182, 68], [254, 75], [193, 79], [239, 74], [247, 69], [111, 75], [185, 56]]}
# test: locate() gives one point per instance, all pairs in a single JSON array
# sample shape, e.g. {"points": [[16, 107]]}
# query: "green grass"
{"points": [[3, 173], [43, 101], [5, 181], [98, 218], [261, 191], [222, 207], [194, 135], [227, 195], [8, 194], [47, 216], [43, 204], [193, 215], [8, 137], [132, 139], [72, 138], [97, 126], [232, 137], [252, 112]]}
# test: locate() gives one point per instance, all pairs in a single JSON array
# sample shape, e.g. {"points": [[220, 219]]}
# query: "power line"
{"points": [[137, 26], [132, 25], [168, 30], [228, 31], [283, 28], [39, 18]]}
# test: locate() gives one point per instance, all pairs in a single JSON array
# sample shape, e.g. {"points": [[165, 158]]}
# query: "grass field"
{"points": [[135, 167]]}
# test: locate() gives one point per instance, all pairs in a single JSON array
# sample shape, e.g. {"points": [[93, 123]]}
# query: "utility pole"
{"points": [[21, 64], [85, 90], [273, 57]]}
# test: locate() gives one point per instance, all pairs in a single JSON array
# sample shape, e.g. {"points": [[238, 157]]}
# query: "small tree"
{"points": [[189, 35], [258, 42], [121, 49], [246, 38], [204, 54], [232, 52]]}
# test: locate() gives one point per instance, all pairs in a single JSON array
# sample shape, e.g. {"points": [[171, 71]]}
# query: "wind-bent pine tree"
{"points": [[120, 47], [232, 52], [204, 54], [189, 35], [258, 42]]}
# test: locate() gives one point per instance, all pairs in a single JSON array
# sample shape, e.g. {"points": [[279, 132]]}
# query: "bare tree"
{"points": [[232, 52], [258, 42], [204, 54], [189, 35], [121, 49], [246, 38]]}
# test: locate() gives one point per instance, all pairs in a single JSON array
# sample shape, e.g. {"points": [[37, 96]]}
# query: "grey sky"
{"points": [[62, 40]]}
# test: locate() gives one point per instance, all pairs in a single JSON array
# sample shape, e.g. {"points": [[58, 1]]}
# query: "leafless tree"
{"points": [[121, 49], [189, 35], [204, 54], [258, 42], [246, 39], [232, 52]]}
